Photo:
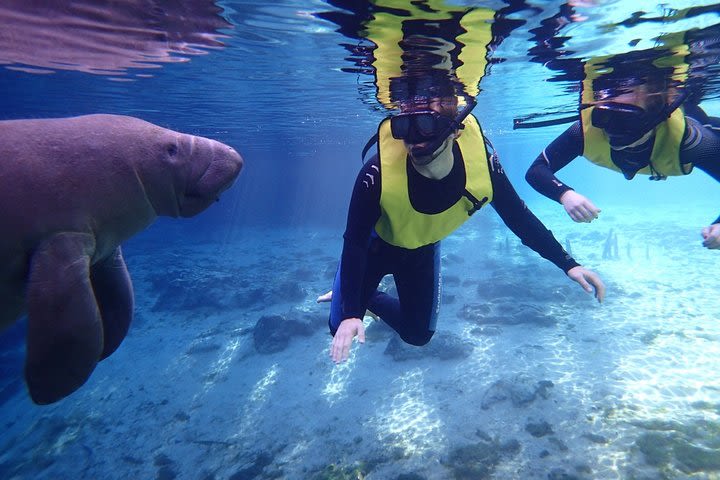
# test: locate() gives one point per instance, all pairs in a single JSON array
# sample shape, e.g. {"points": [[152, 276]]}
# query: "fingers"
{"points": [[584, 284], [594, 279], [579, 208], [591, 278], [575, 216], [584, 213], [711, 236], [342, 341], [340, 350], [579, 217], [588, 280], [713, 243]]}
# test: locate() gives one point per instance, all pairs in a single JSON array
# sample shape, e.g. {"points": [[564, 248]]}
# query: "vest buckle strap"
{"points": [[477, 204]]}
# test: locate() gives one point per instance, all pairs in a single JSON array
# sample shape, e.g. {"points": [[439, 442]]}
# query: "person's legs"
{"points": [[417, 278]]}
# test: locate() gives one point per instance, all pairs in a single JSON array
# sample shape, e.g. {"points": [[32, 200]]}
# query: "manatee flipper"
{"points": [[114, 295], [65, 337]]}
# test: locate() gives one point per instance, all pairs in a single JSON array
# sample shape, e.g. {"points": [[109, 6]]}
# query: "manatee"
{"points": [[71, 191]]}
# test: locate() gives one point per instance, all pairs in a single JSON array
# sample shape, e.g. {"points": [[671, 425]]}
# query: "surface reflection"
{"points": [[106, 37], [395, 41]]}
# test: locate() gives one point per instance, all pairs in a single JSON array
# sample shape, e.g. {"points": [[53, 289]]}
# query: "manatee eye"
{"points": [[172, 150]]}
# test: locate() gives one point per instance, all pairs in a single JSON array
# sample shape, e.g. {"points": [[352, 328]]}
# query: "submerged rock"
{"points": [[479, 460], [272, 333], [290, 291], [444, 346], [520, 390], [539, 429]]}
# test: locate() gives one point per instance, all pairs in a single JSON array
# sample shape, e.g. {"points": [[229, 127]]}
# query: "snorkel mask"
{"points": [[625, 123], [426, 130]]}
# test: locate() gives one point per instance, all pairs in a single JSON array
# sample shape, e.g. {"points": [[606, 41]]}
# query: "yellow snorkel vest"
{"points": [[665, 157], [403, 226]]}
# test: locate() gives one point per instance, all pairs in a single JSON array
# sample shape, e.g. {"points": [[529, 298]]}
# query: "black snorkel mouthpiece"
{"points": [[442, 135]]}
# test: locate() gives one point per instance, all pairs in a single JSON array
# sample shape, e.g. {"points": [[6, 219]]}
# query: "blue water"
{"points": [[554, 387]]}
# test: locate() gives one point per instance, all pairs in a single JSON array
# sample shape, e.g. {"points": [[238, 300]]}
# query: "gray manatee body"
{"points": [[71, 191]]}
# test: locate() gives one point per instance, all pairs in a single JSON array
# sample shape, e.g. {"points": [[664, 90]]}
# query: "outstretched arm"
{"points": [[346, 322]]}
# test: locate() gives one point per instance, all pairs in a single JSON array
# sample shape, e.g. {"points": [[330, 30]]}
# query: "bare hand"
{"points": [[711, 237], [579, 207], [588, 280], [340, 349]]}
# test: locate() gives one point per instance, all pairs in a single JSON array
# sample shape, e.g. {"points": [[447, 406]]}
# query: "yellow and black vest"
{"points": [[665, 157], [403, 226]]}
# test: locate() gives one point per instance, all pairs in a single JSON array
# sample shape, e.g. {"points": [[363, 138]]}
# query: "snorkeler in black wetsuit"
{"points": [[419, 188], [696, 144]]}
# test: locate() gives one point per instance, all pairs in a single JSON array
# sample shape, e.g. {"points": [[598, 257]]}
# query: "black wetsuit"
{"points": [[700, 146], [366, 258]]}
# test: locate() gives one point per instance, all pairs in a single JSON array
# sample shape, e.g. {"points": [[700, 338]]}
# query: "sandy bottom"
{"points": [[544, 382]]}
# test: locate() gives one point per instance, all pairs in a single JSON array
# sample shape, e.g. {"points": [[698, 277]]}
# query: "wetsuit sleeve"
{"points": [[523, 222], [563, 150], [701, 144], [363, 214]]}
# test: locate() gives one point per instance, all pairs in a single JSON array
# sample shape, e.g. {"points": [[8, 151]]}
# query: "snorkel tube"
{"points": [[522, 122], [456, 124]]}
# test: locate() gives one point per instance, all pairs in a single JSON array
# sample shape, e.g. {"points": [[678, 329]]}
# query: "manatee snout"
{"points": [[212, 174]]}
